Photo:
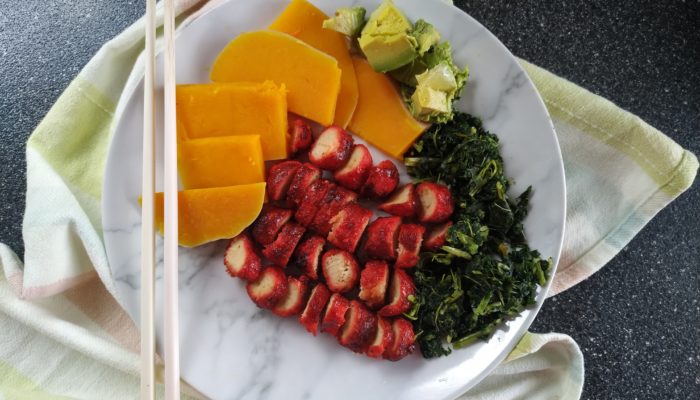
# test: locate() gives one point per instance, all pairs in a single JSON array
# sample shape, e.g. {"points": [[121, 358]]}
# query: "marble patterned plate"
{"points": [[230, 349]]}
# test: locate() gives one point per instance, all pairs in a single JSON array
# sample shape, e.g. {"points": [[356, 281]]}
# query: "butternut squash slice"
{"points": [[311, 77], [381, 118], [205, 215], [220, 161], [228, 109], [304, 21]]}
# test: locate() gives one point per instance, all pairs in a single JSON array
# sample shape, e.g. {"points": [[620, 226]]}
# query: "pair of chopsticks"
{"points": [[171, 332]]}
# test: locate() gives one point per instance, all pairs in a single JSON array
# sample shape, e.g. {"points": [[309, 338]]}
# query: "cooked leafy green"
{"points": [[486, 272]]}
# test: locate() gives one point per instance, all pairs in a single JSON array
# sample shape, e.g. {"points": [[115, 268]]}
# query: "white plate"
{"points": [[230, 349]]}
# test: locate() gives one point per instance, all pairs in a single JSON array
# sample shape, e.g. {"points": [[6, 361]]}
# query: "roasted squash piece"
{"points": [[220, 161], [311, 77], [304, 21], [232, 109], [205, 215], [381, 117]]}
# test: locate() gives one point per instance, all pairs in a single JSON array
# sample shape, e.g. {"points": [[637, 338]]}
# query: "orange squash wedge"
{"points": [[304, 21], [220, 161], [381, 118], [312, 77], [241, 108], [205, 215]]}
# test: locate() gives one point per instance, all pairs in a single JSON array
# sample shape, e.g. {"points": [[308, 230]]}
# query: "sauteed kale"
{"points": [[486, 272]]}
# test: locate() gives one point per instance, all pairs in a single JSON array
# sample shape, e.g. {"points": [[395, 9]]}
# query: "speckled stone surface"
{"points": [[637, 320]]}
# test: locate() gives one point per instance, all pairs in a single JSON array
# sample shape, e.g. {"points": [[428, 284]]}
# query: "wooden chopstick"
{"points": [[171, 332], [147, 223]]}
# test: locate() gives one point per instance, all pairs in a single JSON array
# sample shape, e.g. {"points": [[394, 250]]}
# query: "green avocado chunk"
{"points": [[347, 20], [428, 104], [426, 35], [440, 77], [437, 54], [435, 91], [386, 40]]}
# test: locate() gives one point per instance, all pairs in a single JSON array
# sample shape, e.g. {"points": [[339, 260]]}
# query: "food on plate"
{"points": [[402, 203], [232, 109], [374, 280], [220, 161], [335, 200], [410, 239], [439, 53], [381, 180], [381, 117], [470, 278], [399, 291], [355, 171], [206, 215], [412, 54], [382, 238], [386, 38], [431, 83], [347, 227], [347, 20], [309, 205], [269, 222], [300, 136], [308, 255], [280, 177], [269, 288], [436, 236], [426, 36], [306, 175], [331, 149], [435, 89], [403, 340], [241, 258], [340, 270], [334, 316], [454, 238], [311, 316], [383, 337], [435, 202], [359, 328], [281, 250], [311, 77], [294, 300], [304, 21]]}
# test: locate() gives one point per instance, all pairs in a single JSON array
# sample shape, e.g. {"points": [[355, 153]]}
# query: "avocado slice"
{"points": [[436, 89], [430, 104], [440, 77], [426, 35], [386, 40], [437, 54], [347, 20]]}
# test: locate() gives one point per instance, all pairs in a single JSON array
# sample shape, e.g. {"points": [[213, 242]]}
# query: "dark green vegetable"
{"points": [[486, 272]]}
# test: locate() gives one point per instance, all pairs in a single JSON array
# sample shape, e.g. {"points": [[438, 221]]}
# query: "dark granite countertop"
{"points": [[638, 319]]}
